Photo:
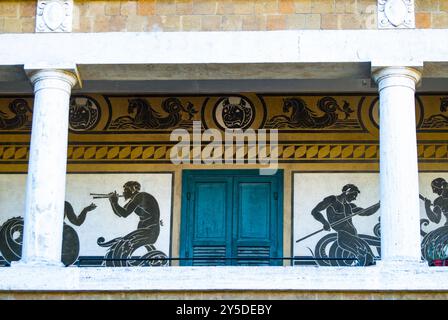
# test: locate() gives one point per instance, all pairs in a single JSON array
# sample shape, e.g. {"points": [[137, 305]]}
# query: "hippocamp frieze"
{"points": [[288, 113]]}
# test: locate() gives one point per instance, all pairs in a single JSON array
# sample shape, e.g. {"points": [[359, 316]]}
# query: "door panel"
{"points": [[207, 223], [255, 217], [210, 211], [253, 210]]}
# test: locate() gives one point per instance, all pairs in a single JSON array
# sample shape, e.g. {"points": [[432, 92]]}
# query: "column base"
{"points": [[37, 263]]}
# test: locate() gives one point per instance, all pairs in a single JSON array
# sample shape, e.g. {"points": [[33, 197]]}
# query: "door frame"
{"points": [[186, 173]]}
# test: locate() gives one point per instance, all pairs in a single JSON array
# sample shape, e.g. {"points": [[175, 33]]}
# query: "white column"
{"points": [[399, 190], [45, 188]]}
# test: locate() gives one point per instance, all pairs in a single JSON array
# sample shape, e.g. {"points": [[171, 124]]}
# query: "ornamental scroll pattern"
{"points": [[288, 152], [160, 152]]}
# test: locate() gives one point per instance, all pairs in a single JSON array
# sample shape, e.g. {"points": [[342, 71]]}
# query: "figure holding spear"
{"points": [[339, 212]]}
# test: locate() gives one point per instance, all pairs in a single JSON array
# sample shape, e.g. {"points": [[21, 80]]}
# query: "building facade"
{"points": [[201, 149]]}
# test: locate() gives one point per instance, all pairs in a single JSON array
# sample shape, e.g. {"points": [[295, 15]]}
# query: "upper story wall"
{"points": [[226, 15]]}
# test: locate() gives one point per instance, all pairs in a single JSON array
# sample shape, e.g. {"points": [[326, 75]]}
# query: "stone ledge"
{"points": [[366, 279], [304, 54]]}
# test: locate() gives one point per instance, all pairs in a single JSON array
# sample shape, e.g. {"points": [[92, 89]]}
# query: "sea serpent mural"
{"points": [[146, 117], [303, 117], [11, 241], [121, 250], [434, 243], [22, 116], [341, 257], [438, 120]]}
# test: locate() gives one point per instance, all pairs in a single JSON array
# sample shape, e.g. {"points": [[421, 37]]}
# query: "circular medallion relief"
{"points": [[234, 113], [396, 11], [84, 114], [53, 15]]}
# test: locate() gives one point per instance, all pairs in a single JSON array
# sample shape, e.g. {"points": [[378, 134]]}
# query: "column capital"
{"points": [[413, 73], [397, 76], [65, 73]]}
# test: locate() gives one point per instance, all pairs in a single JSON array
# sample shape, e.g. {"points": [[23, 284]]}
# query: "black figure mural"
{"points": [[120, 252], [438, 120], [84, 114], [145, 117], [11, 236], [348, 248], [11, 239], [435, 243], [303, 117], [20, 117], [237, 116], [70, 240]]}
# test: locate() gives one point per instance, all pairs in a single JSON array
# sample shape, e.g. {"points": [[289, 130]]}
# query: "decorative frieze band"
{"points": [[289, 114], [160, 153]]}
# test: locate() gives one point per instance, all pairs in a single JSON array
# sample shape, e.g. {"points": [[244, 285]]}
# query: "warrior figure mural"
{"points": [[347, 247]]}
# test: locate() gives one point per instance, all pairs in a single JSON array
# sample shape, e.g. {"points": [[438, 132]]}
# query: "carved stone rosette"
{"points": [[396, 14], [54, 16]]}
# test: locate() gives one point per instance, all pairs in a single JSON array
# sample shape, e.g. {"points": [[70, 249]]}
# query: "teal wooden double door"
{"points": [[231, 217]]}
